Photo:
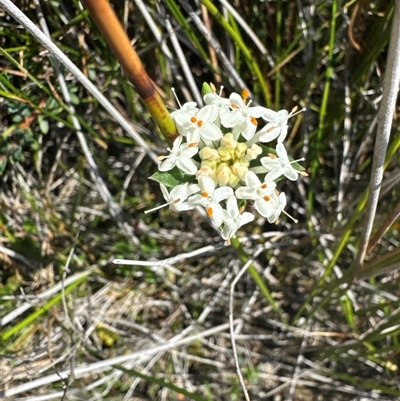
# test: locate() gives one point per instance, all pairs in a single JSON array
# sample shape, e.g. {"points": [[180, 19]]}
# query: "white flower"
{"points": [[177, 198], [220, 146], [260, 192], [280, 165], [180, 156], [217, 100], [272, 131], [241, 117], [276, 117], [202, 125], [210, 198], [233, 219], [183, 115], [220, 103], [277, 126], [253, 152], [278, 203]]}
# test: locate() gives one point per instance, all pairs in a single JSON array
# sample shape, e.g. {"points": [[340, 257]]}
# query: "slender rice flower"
{"points": [[233, 219], [261, 193], [180, 156], [218, 102], [210, 198], [202, 124], [242, 118], [269, 133], [181, 116], [278, 203], [177, 198], [220, 160], [277, 126], [281, 165]]}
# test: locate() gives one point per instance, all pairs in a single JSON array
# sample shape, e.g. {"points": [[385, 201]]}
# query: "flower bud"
{"points": [[233, 180], [240, 170], [240, 150], [208, 154], [206, 170], [253, 152], [225, 154], [229, 141], [223, 174]]}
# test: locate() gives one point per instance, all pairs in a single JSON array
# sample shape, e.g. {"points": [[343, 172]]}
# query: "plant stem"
{"points": [[114, 34]]}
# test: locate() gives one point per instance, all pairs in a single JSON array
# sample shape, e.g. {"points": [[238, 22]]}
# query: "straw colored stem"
{"points": [[385, 119]]}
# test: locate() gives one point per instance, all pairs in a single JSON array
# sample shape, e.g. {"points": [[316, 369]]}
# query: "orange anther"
{"points": [[177, 200], [266, 198], [193, 119], [209, 211], [253, 120], [263, 186], [245, 94]]}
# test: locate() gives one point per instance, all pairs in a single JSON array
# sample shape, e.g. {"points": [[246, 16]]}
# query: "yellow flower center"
{"points": [[228, 164]]}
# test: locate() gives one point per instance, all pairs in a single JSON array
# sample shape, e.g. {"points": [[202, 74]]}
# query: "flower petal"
{"points": [[214, 212], [246, 193], [186, 165], [167, 164], [222, 193], [252, 180]]}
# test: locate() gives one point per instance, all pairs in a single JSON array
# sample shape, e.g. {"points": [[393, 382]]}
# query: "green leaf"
{"points": [[206, 88], [266, 150], [75, 99], [43, 125], [12, 285], [3, 163], [172, 178], [16, 152], [29, 226]]}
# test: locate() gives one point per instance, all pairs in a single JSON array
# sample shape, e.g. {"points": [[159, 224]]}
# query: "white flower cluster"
{"points": [[220, 151]]}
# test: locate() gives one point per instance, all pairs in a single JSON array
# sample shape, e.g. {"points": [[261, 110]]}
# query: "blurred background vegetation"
{"points": [[316, 339]]}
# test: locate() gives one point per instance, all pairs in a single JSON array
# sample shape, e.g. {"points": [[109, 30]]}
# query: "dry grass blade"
{"points": [[63, 59], [390, 92], [107, 364]]}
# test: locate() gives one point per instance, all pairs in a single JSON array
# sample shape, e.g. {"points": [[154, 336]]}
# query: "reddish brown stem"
{"points": [[113, 32]]}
